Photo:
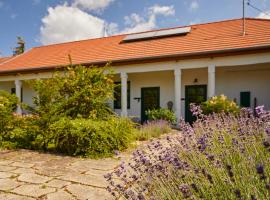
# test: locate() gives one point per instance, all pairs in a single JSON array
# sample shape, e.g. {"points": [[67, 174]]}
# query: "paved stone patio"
{"points": [[29, 175]]}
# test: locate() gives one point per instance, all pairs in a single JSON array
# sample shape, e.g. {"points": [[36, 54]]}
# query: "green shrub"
{"points": [[153, 129], [161, 114], [92, 138], [8, 104], [79, 91], [22, 134], [218, 104]]}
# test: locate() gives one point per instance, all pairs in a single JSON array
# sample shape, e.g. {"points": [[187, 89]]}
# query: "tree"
{"points": [[20, 48]]}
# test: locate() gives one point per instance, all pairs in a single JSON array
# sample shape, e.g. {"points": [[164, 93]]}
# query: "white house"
{"points": [[179, 65]]}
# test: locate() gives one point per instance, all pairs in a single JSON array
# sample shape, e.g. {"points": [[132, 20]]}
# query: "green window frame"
{"points": [[117, 95]]}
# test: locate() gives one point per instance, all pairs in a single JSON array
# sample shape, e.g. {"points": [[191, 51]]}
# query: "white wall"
{"points": [[256, 79]]}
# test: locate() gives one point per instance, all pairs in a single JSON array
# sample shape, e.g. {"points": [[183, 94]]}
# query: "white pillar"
{"points": [[177, 88], [18, 85], [124, 95], [211, 81]]}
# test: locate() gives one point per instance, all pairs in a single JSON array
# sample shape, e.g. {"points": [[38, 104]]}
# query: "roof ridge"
{"points": [[123, 34]]}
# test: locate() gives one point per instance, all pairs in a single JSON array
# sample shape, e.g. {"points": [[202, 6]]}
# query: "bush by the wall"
{"points": [[218, 104], [92, 138], [161, 114]]}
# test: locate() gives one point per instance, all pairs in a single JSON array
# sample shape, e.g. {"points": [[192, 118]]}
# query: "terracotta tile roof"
{"points": [[203, 39], [4, 59]]}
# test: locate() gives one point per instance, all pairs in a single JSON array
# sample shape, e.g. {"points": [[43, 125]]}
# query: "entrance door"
{"points": [[150, 100], [194, 94]]}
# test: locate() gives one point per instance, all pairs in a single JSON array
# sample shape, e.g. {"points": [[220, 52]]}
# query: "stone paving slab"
{"points": [[35, 191], [8, 184], [29, 175], [22, 164], [83, 192], [7, 175], [33, 178], [59, 195], [57, 183], [5, 168], [8, 196]]}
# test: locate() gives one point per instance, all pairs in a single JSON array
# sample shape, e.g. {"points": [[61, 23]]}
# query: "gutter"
{"points": [[145, 59]]}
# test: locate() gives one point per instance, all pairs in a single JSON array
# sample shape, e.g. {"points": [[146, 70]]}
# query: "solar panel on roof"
{"points": [[157, 34]]}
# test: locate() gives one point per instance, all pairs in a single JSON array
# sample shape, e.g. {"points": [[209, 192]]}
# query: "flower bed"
{"points": [[222, 156]]}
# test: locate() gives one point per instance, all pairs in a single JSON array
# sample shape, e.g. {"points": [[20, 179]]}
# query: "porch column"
{"points": [[124, 96], [211, 81], [18, 85], [177, 87]]}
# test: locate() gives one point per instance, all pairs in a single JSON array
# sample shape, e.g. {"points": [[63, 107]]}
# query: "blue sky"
{"points": [[42, 22]]}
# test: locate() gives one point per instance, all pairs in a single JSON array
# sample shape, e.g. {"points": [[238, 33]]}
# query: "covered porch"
{"points": [[244, 79]]}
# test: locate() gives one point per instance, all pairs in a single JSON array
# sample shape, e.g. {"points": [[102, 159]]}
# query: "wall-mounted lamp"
{"points": [[195, 80], [138, 99]]}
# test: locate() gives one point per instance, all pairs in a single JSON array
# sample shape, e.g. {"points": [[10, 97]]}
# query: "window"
{"points": [[13, 91], [117, 95], [245, 99]]}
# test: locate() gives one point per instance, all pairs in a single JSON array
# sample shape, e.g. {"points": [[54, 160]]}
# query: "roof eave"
{"points": [[146, 59]]}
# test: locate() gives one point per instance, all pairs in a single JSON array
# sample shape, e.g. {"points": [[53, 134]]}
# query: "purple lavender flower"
{"points": [[260, 169], [185, 190], [237, 193], [259, 110]]}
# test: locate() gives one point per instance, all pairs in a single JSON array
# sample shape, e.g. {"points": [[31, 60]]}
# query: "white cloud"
{"points": [[64, 23], [111, 29], [162, 10], [137, 23], [92, 5], [265, 15], [194, 6]]}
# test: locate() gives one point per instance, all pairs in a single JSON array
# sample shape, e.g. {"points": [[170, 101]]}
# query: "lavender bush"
{"points": [[222, 156], [153, 129]]}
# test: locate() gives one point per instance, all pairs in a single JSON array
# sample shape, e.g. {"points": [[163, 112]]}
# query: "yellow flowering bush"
{"points": [[218, 104]]}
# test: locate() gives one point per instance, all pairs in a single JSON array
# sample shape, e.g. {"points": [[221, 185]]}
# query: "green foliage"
{"points": [[218, 104], [8, 104], [161, 114], [71, 115], [92, 138], [20, 48], [153, 129], [77, 92], [22, 133]]}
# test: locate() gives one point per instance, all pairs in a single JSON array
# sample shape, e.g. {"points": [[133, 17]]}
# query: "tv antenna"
{"points": [[244, 17]]}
